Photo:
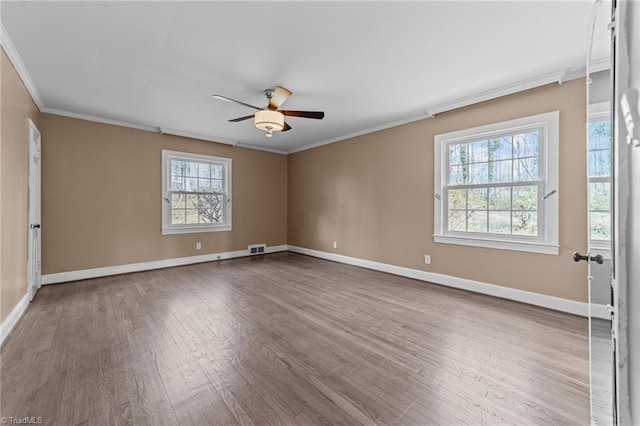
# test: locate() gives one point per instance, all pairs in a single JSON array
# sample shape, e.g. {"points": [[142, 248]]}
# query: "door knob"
{"points": [[34, 226], [577, 257]]}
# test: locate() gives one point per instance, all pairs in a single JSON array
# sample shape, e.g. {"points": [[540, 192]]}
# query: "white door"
{"points": [[600, 233], [34, 264]]}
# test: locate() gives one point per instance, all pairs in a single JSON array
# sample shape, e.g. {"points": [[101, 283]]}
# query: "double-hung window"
{"points": [[196, 193], [496, 186], [599, 172]]}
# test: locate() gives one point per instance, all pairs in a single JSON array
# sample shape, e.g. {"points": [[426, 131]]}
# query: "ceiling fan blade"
{"points": [[318, 115], [286, 127], [224, 98], [280, 94], [246, 117]]}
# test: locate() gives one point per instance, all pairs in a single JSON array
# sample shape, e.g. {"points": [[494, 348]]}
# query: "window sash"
{"points": [[546, 126], [512, 158], [598, 113], [168, 209]]}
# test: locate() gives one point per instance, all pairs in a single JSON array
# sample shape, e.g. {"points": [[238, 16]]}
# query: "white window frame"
{"points": [[597, 112], [167, 227], [547, 240]]}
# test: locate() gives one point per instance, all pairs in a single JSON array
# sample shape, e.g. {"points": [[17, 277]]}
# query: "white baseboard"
{"points": [[84, 274], [545, 301], [12, 319], [550, 302]]}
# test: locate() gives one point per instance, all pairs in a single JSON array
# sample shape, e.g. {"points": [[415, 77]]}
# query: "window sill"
{"points": [[498, 244], [193, 230]]}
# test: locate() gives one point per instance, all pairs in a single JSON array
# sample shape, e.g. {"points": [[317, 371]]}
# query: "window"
{"points": [[496, 185], [196, 193], [599, 171]]}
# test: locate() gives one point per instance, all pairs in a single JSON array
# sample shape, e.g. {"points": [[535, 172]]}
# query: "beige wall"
{"points": [[101, 196], [16, 107], [373, 194]]}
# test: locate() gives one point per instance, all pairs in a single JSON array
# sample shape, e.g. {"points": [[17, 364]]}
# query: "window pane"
{"points": [[600, 163], [500, 148], [600, 134], [177, 201], [216, 171], [177, 217], [525, 169], [458, 175], [477, 221], [210, 208], [525, 145], [525, 223], [177, 183], [500, 171], [191, 184], [177, 168], [600, 196], [192, 201], [525, 198], [600, 225], [458, 199], [458, 154], [204, 170], [478, 151], [478, 173], [478, 199], [457, 220], [192, 216], [191, 169], [204, 185], [500, 222], [216, 185], [500, 198]]}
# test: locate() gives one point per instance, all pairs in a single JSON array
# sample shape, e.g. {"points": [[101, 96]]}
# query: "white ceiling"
{"points": [[366, 64]]}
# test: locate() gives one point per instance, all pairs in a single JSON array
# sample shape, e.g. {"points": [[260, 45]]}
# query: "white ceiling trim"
{"points": [[16, 60], [508, 89], [361, 132], [559, 76], [185, 134], [96, 119]]}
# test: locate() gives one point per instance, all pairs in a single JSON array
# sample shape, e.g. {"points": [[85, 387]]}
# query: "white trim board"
{"points": [[84, 274], [21, 69], [549, 302], [7, 326], [600, 311]]}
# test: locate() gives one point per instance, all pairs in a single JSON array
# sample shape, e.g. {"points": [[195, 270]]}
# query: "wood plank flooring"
{"points": [[289, 339]]}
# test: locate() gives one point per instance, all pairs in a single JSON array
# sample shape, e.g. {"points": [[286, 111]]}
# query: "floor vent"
{"points": [[257, 248]]}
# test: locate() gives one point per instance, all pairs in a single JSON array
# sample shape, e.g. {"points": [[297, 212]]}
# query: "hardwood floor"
{"points": [[289, 339]]}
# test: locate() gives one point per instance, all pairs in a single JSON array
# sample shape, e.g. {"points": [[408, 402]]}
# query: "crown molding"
{"points": [[16, 60], [199, 136], [259, 148], [192, 135], [559, 76], [96, 119], [360, 133]]}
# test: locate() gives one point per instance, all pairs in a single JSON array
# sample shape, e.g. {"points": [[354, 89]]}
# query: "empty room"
{"points": [[320, 212]]}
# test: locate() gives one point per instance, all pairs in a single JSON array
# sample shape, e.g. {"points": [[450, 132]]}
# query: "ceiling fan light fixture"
{"points": [[269, 121]]}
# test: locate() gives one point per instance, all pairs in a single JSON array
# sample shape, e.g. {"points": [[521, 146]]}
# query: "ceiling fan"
{"points": [[271, 119]]}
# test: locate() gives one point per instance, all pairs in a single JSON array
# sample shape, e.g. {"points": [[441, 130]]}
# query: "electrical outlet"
{"points": [[427, 259], [198, 246], [335, 244]]}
